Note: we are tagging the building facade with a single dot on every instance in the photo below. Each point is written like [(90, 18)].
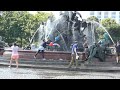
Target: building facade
[(106, 14)]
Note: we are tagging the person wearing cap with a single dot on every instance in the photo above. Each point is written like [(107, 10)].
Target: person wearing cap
[(74, 55)]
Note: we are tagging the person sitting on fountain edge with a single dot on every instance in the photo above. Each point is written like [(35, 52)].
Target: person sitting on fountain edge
[(41, 49)]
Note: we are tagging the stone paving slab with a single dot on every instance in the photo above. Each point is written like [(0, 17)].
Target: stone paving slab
[(100, 67), (65, 67)]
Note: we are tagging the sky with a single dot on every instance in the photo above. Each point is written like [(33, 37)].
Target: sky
[(84, 14)]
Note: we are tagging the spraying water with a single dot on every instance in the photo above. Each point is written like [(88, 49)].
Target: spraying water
[(105, 31), (63, 40), (34, 36), (60, 27)]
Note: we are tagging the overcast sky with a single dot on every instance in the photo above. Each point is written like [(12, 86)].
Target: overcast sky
[(84, 14)]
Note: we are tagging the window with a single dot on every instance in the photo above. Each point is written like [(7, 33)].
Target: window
[(113, 16), (99, 13), (106, 13), (119, 20), (99, 17), (113, 13), (106, 16), (0, 13), (92, 13)]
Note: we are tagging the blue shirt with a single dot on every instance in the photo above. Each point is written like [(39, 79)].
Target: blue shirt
[(74, 47), (57, 38)]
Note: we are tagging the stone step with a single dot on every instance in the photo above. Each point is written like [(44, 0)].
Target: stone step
[(94, 62), (56, 62)]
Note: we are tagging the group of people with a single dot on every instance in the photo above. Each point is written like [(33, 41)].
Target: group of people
[(41, 49), (15, 54), (74, 53)]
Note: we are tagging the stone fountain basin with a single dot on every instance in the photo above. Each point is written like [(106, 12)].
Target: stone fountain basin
[(49, 55), (29, 54)]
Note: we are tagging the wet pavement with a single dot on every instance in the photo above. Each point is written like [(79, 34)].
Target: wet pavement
[(30, 73)]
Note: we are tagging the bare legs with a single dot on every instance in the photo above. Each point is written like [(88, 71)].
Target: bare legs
[(40, 51), (16, 60), (16, 63), (117, 58)]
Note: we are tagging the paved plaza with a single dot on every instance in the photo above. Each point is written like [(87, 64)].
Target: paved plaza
[(29, 73)]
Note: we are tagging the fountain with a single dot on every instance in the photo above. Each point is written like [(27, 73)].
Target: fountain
[(63, 31)]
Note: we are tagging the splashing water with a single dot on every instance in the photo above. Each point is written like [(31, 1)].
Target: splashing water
[(63, 40), (105, 31), (60, 27)]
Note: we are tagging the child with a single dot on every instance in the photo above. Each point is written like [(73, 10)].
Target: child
[(15, 54)]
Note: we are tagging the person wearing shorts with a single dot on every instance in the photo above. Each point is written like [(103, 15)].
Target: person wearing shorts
[(41, 49), (15, 54)]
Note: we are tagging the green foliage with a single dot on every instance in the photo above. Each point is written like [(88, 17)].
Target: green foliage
[(99, 32), (112, 27), (93, 18), (108, 22), (114, 31), (19, 26)]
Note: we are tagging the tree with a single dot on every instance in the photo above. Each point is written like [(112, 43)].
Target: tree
[(108, 22), (19, 26), (112, 27), (93, 18), (114, 31)]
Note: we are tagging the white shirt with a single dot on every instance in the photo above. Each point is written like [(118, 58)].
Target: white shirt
[(15, 50), (41, 48)]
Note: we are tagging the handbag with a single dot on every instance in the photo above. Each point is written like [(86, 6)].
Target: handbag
[(77, 57)]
